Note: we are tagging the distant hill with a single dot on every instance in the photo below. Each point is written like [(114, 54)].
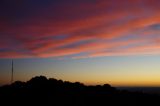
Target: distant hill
[(40, 91)]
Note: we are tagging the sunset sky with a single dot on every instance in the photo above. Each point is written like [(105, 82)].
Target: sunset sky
[(91, 41)]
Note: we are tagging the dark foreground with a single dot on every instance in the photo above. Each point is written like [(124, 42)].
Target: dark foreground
[(40, 91)]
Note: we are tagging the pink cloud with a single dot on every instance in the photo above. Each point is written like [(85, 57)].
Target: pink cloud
[(101, 25)]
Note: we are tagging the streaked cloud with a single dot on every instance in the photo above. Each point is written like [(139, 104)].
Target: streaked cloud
[(59, 28)]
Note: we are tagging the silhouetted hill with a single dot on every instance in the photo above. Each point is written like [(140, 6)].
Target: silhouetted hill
[(40, 91)]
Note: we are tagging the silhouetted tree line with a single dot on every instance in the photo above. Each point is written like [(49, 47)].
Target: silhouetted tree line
[(40, 91)]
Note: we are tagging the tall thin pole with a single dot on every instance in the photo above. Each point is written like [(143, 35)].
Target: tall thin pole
[(12, 73)]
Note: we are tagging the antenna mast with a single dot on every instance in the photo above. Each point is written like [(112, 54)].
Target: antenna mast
[(12, 73)]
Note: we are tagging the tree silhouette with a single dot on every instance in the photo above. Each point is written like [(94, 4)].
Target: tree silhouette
[(52, 92)]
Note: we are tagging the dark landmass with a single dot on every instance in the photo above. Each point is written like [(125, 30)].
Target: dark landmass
[(146, 89), (40, 91)]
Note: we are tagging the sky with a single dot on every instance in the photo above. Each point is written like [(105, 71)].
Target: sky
[(91, 41)]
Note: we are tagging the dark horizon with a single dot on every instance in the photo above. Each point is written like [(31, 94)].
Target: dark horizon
[(145, 89), (43, 91)]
